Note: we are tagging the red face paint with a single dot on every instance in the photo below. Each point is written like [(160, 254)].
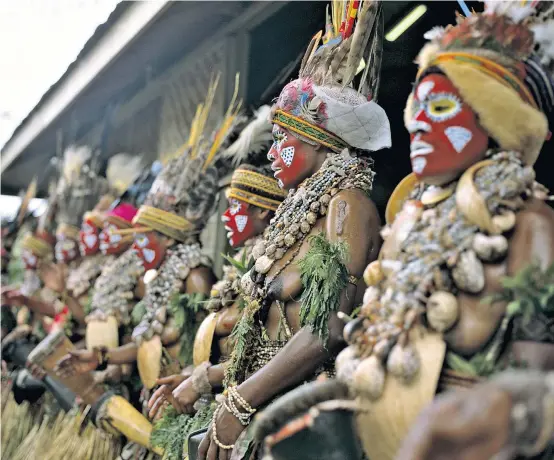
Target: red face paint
[(110, 242), (89, 243), (238, 222), (29, 259), (66, 249), (149, 249), (445, 135), (288, 156)]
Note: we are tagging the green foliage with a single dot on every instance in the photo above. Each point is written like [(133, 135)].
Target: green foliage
[(240, 335), (324, 277), (241, 265), (139, 310), (172, 430), (530, 292), (184, 309)]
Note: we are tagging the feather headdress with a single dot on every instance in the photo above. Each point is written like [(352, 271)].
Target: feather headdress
[(501, 61), (184, 194), (323, 106), (254, 139), (80, 187), (122, 170)]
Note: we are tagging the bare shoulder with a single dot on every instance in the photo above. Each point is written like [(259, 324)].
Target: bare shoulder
[(200, 280), (353, 217), (533, 237), (358, 202)]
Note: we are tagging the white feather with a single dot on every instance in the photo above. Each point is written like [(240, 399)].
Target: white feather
[(253, 138), (122, 170)]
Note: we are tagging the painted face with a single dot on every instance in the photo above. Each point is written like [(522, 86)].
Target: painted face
[(66, 249), (238, 222), (110, 242), (288, 156), (149, 249), (445, 135), (29, 259), (89, 242)]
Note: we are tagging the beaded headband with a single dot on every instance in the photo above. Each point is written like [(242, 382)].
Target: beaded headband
[(256, 189), (309, 130)]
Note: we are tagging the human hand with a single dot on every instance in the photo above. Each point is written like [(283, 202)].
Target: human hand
[(473, 424), (164, 393), (14, 297), (185, 396), (36, 371), (228, 429), (76, 362)]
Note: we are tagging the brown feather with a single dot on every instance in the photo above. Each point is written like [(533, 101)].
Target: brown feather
[(360, 37), (312, 47), (338, 61)]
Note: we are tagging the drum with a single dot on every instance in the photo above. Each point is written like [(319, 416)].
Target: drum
[(113, 413), (49, 351)]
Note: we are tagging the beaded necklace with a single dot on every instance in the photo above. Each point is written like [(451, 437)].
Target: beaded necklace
[(114, 288), (179, 261), (437, 252), (80, 279)]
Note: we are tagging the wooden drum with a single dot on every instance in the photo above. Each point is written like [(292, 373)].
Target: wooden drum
[(48, 352)]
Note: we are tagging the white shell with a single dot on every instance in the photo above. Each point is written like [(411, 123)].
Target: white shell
[(157, 327), (246, 283), (258, 250), (469, 274), (490, 248), (404, 363), (504, 222), (184, 271), (263, 264), (442, 310), (371, 295), (161, 315), (369, 378), (346, 364)]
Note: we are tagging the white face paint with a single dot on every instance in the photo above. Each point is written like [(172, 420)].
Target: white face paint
[(418, 164), (148, 254), (241, 222), (90, 240), (458, 136), (424, 88), (287, 154)]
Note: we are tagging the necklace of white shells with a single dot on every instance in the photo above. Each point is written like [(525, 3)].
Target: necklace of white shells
[(431, 252), (114, 288), (179, 261)]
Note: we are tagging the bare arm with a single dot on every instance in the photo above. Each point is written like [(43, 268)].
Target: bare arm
[(125, 354), (76, 309), (38, 306), (352, 218)]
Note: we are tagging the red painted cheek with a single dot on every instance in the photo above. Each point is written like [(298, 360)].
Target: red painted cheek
[(240, 224)]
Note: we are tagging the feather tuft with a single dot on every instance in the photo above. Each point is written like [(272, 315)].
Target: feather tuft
[(122, 170)]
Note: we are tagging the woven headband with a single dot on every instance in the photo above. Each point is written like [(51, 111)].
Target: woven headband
[(37, 246), (169, 224), (256, 189), (308, 130)]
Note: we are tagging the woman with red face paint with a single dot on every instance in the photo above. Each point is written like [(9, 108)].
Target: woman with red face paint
[(463, 287), (178, 275), (253, 197), (308, 265)]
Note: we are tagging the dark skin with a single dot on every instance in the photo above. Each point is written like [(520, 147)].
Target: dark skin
[(305, 352), (199, 281), (178, 389), (475, 424)]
